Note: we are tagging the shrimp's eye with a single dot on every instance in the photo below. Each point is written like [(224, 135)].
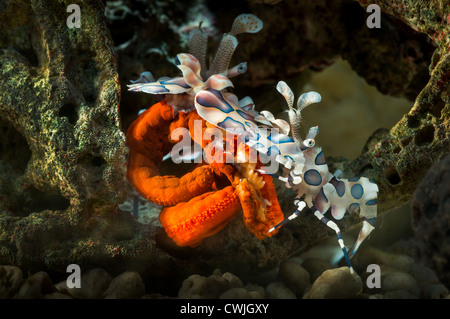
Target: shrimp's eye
[(309, 142), (242, 68)]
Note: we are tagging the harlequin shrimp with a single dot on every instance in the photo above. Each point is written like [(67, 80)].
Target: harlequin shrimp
[(304, 163), (321, 189)]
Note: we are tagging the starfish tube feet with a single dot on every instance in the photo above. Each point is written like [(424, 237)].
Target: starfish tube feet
[(203, 216), (260, 206)]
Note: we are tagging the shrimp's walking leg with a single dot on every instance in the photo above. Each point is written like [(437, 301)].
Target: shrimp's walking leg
[(300, 205), (368, 226), (334, 227)]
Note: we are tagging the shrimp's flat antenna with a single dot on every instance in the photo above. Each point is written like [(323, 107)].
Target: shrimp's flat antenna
[(246, 23)]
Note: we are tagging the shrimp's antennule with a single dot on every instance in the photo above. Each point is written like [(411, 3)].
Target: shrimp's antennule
[(198, 43)]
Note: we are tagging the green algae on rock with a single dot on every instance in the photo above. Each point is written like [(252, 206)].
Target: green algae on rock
[(399, 160), (60, 97)]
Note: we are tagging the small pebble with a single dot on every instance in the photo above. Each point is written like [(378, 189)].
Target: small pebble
[(36, 286), (10, 281), (399, 294), (294, 276), (277, 290), (316, 267), (128, 285), (93, 284), (240, 293), (424, 276), (233, 280), (257, 288), (57, 295), (201, 287), (84, 292), (156, 296), (435, 291), (197, 287), (370, 255), (338, 283), (392, 281), (98, 280)]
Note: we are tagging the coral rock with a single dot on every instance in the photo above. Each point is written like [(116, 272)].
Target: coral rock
[(59, 98), (431, 218)]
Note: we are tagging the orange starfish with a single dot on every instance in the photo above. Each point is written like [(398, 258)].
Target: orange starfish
[(203, 201)]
